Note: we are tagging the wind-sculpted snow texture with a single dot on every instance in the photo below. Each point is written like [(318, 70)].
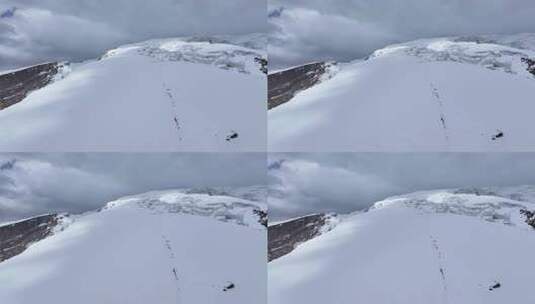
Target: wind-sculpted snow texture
[(456, 246), (181, 94), (160, 247), (223, 208), (458, 94), (215, 51)]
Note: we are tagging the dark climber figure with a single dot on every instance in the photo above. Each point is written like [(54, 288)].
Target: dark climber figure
[(229, 286)]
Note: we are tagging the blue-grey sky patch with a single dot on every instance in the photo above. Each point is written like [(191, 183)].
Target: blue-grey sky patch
[(10, 12)]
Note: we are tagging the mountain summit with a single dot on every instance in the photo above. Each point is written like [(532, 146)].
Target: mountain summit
[(470, 245), (179, 94), (457, 94), (177, 246)]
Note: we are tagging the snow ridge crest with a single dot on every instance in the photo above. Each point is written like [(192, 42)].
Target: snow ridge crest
[(221, 207), (504, 205)]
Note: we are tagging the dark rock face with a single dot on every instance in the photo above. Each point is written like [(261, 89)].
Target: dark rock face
[(15, 86), (531, 65), (15, 238), (530, 217), (262, 217), (284, 237), (283, 86), (263, 64)]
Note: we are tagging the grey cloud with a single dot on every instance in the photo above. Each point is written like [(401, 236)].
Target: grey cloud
[(46, 30), (10, 12), (303, 31), (346, 182), (32, 184)]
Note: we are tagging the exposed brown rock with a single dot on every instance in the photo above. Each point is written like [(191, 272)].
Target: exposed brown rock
[(15, 86), (16, 237), (282, 86), (284, 237)]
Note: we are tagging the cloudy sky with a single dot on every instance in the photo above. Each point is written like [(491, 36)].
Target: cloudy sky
[(308, 30), (301, 184), (33, 31), (32, 184)]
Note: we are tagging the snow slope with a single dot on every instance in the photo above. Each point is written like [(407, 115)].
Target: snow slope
[(445, 246), (158, 247), (180, 94), (458, 94)]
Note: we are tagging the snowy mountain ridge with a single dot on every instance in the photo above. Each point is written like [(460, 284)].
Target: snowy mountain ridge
[(444, 94), (223, 208), (241, 54), (506, 205), (505, 53), (168, 246), (177, 94), (468, 245), (503, 205)]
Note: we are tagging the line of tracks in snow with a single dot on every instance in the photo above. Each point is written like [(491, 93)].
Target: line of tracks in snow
[(174, 269)]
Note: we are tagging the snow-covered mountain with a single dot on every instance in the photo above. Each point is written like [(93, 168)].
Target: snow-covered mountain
[(180, 246), (180, 94), (459, 94), (444, 246)]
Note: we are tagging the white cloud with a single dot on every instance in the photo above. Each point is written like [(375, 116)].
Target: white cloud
[(302, 35), (303, 183), (306, 30), (33, 184), (46, 30), (301, 186)]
